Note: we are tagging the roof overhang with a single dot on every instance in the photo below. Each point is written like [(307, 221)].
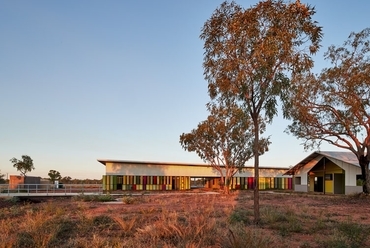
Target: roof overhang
[(144, 163), (347, 157)]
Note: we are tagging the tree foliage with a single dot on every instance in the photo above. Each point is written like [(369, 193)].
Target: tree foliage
[(251, 55), (224, 140), (334, 106), (23, 166), (66, 179), (54, 176), (2, 180)]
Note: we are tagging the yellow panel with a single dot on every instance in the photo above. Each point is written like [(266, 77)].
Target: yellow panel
[(329, 186)]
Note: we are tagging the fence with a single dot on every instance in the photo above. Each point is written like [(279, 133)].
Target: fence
[(49, 189)]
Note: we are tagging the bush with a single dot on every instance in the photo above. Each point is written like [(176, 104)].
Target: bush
[(240, 215), (128, 200), (94, 198)]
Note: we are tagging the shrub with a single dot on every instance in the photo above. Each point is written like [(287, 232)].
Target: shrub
[(95, 198), (240, 215), (128, 200)]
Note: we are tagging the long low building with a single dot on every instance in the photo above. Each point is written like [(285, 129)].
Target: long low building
[(139, 175)]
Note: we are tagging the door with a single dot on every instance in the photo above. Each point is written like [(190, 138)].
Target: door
[(319, 184), (339, 183)]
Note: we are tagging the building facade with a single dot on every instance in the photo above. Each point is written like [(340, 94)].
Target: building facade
[(137, 175), (327, 172)]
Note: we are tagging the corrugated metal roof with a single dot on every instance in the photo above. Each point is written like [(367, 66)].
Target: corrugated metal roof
[(105, 161), (347, 157)]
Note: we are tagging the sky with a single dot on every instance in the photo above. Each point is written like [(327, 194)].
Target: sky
[(86, 80)]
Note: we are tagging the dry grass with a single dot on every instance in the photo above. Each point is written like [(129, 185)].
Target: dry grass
[(189, 220)]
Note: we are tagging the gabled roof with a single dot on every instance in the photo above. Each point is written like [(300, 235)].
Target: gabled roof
[(347, 157)]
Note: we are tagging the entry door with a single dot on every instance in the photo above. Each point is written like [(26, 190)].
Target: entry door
[(339, 183), (319, 184)]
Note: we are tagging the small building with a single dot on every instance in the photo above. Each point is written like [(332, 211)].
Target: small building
[(327, 172), (16, 181), (138, 175)]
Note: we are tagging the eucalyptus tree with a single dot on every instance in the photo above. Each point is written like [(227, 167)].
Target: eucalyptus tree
[(334, 106), (54, 176), (224, 140), (253, 54), (23, 166), (2, 180)]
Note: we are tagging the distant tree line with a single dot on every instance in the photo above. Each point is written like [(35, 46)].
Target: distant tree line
[(25, 165)]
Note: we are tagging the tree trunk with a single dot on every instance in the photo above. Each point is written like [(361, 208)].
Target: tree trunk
[(222, 183), (256, 172), (227, 184), (364, 164)]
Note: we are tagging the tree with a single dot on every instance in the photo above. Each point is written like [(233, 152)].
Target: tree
[(54, 175), (66, 179), (224, 140), (2, 180), (23, 166), (334, 106), (253, 55)]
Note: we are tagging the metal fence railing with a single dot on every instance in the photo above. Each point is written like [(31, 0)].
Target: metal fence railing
[(48, 189)]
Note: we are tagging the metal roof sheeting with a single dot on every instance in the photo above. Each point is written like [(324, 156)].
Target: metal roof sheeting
[(347, 157)]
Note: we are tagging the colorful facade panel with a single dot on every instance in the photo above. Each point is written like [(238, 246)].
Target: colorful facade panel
[(265, 183), (115, 182)]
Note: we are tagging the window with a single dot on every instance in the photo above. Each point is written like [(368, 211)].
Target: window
[(297, 180), (359, 180), (328, 177)]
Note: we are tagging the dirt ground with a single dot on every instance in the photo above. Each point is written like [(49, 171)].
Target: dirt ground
[(338, 207), (287, 219)]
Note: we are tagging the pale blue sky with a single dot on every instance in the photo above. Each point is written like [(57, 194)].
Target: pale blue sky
[(82, 80)]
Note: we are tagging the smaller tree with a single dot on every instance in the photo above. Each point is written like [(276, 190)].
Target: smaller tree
[(225, 140), (66, 179), (2, 180), (334, 106), (54, 176), (23, 166)]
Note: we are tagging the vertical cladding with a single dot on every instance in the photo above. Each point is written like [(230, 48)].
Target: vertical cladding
[(110, 182), (264, 183), (125, 182)]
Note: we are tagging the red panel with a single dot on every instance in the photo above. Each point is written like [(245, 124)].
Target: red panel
[(290, 183), (145, 180), (154, 179), (250, 182)]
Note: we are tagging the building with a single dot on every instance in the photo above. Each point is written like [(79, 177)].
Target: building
[(327, 172), (16, 181), (138, 175)]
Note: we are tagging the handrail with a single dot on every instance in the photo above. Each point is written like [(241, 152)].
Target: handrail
[(48, 189)]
